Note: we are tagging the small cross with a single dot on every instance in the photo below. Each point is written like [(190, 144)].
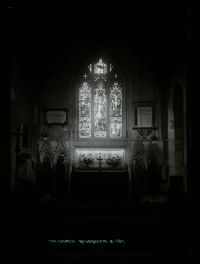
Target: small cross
[(100, 161)]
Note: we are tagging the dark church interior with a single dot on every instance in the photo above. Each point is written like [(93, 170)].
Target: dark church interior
[(100, 136)]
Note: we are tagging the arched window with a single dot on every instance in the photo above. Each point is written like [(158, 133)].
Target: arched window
[(100, 102)]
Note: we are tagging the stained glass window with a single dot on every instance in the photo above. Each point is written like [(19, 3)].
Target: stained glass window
[(100, 103), (115, 111), (85, 111), (100, 111)]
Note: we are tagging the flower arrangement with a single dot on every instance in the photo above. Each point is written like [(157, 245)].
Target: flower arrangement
[(87, 160), (113, 162)]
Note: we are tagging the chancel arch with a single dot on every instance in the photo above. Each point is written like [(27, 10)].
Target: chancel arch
[(177, 136)]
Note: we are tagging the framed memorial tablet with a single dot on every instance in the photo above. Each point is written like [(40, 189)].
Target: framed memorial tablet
[(144, 115), (56, 117)]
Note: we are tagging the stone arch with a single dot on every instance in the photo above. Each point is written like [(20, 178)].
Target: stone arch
[(177, 158)]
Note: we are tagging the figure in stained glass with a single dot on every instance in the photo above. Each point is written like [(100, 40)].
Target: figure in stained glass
[(115, 110), (85, 110)]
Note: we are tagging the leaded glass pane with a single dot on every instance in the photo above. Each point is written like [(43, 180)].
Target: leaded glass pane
[(100, 111), (85, 111), (115, 111)]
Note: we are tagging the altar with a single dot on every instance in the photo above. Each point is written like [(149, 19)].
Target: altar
[(99, 159)]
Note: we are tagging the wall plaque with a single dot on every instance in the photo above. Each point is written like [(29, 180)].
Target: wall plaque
[(144, 116), (56, 117)]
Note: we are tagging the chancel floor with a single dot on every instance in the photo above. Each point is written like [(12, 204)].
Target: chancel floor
[(78, 226)]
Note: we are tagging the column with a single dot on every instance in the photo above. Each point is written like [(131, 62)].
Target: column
[(130, 178), (70, 160)]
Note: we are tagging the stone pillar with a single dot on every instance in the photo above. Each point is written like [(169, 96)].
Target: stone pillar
[(130, 178), (70, 158)]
